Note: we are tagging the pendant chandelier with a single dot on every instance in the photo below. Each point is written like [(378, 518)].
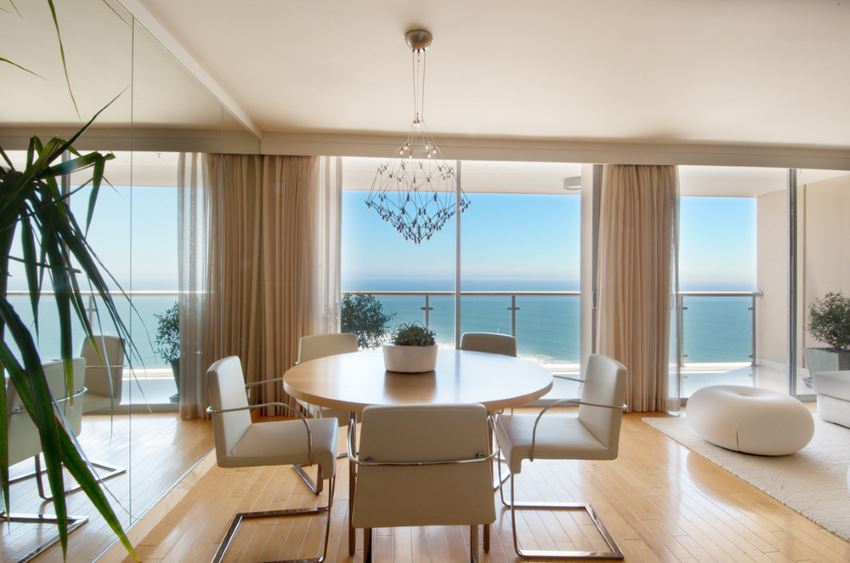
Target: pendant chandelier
[(416, 192)]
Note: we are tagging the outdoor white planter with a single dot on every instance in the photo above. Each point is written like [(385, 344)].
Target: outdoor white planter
[(410, 359), (825, 359)]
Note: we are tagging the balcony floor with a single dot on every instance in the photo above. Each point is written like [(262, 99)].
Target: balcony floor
[(773, 377)]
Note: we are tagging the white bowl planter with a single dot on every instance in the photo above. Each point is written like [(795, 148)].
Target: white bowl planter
[(410, 359)]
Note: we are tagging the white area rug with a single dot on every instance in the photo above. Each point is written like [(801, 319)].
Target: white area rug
[(812, 482)]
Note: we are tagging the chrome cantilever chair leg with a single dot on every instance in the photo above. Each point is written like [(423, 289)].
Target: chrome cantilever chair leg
[(111, 471), (74, 522), (613, 552), (315, 487), (499, 459), (241, 516)]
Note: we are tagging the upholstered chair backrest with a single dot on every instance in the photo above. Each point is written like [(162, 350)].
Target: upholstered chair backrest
[(321, 345), (604, 384), (450, 494), (24, 442), (104, 369), (489, 342), (227, 391)]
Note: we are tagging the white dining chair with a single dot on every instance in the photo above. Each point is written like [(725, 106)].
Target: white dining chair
[(421, 466), (24, 442), (312, 348), (239, 442), (104, 357), (490, 342), (592, 434)]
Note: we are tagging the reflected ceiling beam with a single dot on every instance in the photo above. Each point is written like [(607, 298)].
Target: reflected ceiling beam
[(587, 151), (146, 19)]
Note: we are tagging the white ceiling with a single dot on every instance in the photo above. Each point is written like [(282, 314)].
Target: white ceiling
[(106, 53), (748, 71)]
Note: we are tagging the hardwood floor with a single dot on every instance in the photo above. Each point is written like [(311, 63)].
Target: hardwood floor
[(163, 449), (659, 500)]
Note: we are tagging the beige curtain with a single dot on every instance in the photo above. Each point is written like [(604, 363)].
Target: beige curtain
[(262, 270), (637, 227)]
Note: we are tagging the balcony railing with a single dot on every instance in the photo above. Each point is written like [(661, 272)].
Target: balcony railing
[(713, 327), (148, 303)]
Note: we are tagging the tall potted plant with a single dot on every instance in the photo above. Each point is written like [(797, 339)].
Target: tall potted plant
[(829, 322), (364, 316), (167, 342), (54, 252)]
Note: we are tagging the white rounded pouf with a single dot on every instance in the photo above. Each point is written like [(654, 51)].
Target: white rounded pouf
[(750, 420)]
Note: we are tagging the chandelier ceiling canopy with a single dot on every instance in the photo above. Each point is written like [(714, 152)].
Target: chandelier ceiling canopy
[(416, 192)]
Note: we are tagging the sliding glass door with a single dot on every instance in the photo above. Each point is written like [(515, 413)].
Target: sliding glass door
[(384, 276), (823, 270), (511, 262), (733, 277)]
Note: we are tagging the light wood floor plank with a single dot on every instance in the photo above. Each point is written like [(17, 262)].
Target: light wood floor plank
[(660, 501)]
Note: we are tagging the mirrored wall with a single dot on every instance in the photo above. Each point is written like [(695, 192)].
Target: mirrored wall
[(155, 110)]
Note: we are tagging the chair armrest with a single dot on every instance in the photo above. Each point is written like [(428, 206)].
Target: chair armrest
[(56, 402), (262, 381), (567, 377), (368, 462), (211, 410), (561, 402), (250, 386)]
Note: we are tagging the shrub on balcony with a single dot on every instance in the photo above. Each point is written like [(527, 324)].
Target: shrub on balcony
[(167, 339), (364, 316), (829, 320)]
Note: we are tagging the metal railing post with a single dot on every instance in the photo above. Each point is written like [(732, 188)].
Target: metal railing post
[(427, 308), (513, 309), (680, 330), (753, 356)]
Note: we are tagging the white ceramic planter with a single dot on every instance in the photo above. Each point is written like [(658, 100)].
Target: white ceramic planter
[(410, 359)]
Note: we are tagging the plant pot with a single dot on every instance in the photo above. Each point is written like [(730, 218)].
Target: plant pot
[(410, 359), (175, 371), (826, 359)]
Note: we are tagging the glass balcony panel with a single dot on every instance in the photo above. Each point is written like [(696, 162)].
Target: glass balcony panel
[(442, 318), (548, 330), (717, 330), (485, 313)]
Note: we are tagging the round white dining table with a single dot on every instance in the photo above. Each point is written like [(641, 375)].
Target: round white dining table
[(353, 381), (356, 380)]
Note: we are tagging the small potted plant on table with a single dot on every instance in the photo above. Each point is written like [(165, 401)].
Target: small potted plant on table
[(413, 349), (829, 322), (167, 343)]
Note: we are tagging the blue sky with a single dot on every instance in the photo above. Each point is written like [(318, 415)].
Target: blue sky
[(508, 242), (134, 233), (717, 243), (531, 242)]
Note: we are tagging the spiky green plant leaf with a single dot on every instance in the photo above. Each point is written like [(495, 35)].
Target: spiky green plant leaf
[(53, 245)]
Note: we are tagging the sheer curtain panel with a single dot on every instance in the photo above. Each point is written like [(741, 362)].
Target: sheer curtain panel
[(328, 227), (192, 237), (637, 237)]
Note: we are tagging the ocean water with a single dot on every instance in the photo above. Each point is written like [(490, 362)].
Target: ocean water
[(716, 329), (141, 322)]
